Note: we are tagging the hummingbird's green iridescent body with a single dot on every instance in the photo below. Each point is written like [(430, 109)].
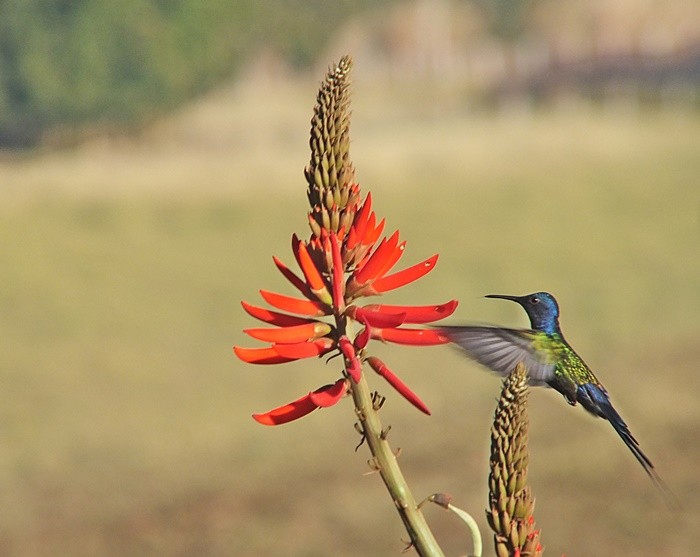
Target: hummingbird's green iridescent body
[(550, 361), (570, 370)]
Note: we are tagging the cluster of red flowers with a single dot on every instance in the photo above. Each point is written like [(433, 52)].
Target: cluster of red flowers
[(338, 268)]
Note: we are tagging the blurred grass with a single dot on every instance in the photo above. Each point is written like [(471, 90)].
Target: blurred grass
[(125, 417)]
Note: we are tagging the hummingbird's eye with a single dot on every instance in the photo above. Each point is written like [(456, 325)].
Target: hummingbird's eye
[(534, 300)]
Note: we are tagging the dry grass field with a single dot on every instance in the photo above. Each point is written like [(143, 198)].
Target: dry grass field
[(125, 418)]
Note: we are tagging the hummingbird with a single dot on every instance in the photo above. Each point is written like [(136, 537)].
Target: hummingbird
[(550, 361)]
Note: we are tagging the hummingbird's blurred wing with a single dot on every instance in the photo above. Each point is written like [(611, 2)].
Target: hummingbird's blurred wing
[(501, 350)]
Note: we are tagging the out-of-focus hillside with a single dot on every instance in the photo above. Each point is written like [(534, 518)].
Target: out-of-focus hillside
[(541, 52), (74, 70), (70, 70)]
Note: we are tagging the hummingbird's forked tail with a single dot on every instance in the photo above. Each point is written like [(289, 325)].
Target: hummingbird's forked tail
[(595, 399)]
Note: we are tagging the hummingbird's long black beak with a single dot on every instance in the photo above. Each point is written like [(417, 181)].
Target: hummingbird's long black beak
[(504, 297)]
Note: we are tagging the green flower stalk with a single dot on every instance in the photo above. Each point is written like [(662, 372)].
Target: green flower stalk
[(511, 503)]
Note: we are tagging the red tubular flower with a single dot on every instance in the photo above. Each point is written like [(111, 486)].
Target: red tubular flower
[(301, 350), (343, 260), (362, 338), (326, 396), (377, 365), (294, 305), (338, 287), (373, 232), (260, 355), (330, 394), (360, 223), (352, 363), (383, 258), (273, 317), (376, 318), (407, 276), (291, 334), (410, 314), (288, 412), (299, 284), (313, 276), (414, 337)]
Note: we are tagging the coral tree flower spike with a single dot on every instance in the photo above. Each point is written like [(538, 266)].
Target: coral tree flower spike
[(342, 260)]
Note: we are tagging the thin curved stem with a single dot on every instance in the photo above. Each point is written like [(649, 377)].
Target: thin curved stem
[(473, 528)]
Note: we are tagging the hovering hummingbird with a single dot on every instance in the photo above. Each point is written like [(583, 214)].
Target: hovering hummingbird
[(550, 361)]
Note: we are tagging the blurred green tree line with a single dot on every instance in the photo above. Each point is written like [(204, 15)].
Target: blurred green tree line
[(67, 66)]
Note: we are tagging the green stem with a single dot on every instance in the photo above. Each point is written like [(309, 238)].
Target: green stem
[(387, 465)]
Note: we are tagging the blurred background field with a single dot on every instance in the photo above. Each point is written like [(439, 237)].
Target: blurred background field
[(126, 249)]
